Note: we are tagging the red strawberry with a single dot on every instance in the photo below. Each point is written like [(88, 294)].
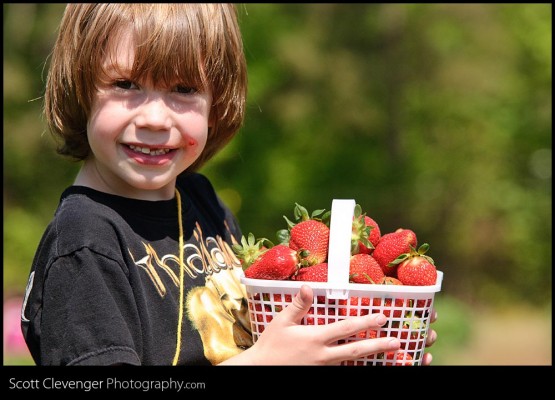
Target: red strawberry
[(389, 306), (417, 271), (278, 300), (369, 334), (262, 317), (375, 234), (363, 268), (313, 273), (391, 246), (365, 233), (312, 236), (410, 338), (354, 301), (265, 316), (310, 320), (309, 235), (398, 358), (278, 262), (422, 304), (389, 280)]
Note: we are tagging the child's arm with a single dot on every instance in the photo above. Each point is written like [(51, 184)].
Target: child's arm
[(286, 342)]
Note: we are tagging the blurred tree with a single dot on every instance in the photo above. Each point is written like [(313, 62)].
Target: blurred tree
[(435, 117)]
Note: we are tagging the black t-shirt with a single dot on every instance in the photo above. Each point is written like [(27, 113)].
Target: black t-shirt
[(104, 284)]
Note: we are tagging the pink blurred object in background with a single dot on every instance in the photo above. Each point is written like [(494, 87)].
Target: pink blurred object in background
[(14, 343)]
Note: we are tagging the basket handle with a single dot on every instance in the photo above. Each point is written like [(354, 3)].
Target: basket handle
[(339, 253)]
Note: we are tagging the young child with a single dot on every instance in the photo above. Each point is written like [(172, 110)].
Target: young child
[(136, 267)]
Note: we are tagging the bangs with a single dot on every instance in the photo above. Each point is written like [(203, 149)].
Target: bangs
[(170, 45)]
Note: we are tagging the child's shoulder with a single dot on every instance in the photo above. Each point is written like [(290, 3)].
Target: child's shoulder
[(83, 205), (87, 218), (84, 212)]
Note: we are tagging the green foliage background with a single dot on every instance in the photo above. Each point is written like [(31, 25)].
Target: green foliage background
[(433, 117)]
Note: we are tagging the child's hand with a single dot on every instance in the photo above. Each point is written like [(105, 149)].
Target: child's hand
[(286, 342)]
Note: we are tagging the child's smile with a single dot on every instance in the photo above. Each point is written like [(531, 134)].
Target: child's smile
[(149, 155)]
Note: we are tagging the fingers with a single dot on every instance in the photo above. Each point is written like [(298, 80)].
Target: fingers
[(351, 326), (431, 337), (433, 318), (299, 306), (362, 348), (427, 359)]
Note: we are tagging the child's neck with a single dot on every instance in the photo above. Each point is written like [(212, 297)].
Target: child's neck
[(90, 176)]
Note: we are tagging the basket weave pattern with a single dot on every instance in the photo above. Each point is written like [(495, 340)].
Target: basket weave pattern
[(407, 308)]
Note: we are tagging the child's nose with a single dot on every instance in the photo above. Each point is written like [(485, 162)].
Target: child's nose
[(154, 114)]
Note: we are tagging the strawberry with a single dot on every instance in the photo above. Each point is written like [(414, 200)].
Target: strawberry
[(375, 234), (265, 316), (366, 233), (363, 268), (310, 320), (410, 338), (278, 262), (313, 273), (354, 301), (369, 334), (262, 317), (309, 235), (389, 280), (388, 306), (313, 237), (278, 300), (422, 304), (398, 358), (417, 269), (250, 249), (391, 246)]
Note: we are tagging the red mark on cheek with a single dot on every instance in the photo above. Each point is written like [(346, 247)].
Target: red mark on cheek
[(192, 142)]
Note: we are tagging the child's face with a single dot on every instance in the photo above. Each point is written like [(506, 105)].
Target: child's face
[(143, 134)]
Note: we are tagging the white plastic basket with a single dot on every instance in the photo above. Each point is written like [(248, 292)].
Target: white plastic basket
[(407, 308)]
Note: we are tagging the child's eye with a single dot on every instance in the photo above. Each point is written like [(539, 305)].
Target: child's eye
[(125, 84), (182, 89)]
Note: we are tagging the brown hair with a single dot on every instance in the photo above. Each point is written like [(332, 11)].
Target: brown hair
[(195, 43)]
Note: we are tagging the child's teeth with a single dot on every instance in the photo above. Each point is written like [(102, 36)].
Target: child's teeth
[(146, 150)]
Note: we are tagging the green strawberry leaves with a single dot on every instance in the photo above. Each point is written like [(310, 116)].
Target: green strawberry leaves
[(250, 249), (413, 253)]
